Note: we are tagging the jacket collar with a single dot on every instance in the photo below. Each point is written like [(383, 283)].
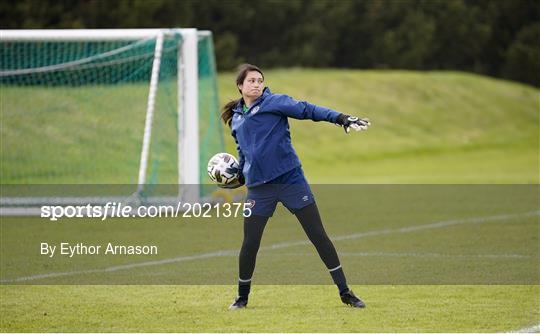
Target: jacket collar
[(266, 92)]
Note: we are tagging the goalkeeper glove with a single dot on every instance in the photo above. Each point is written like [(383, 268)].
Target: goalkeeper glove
[(238, 182), (348, 122)]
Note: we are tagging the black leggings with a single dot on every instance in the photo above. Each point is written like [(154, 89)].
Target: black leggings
[(311, 222)]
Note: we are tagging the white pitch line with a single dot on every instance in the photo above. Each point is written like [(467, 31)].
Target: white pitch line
[(532, 329), (124, 266), (474, 220)]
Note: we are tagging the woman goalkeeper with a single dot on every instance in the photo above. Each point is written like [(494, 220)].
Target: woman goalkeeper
[(272, 172)]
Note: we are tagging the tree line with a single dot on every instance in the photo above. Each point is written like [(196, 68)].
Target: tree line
[(500, 38)]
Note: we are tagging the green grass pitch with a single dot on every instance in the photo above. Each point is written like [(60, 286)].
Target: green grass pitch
[(425, 258)]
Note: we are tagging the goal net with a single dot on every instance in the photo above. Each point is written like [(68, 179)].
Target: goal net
[(133, 108)]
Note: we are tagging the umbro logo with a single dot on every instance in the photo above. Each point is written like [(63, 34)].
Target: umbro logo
[(305, 198)]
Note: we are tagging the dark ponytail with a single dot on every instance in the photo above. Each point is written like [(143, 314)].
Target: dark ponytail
[(227, 114), (243, 71)]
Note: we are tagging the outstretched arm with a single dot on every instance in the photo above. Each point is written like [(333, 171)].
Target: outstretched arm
[(304, 110)]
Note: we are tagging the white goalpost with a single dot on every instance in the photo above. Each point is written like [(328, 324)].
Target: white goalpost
[(71, 72)]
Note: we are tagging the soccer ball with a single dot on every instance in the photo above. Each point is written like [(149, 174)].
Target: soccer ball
[(217, 168)]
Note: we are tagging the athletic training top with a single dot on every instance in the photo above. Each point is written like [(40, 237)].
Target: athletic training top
[(263, 136)]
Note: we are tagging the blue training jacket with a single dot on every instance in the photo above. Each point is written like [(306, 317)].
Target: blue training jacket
[(263, 136)]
